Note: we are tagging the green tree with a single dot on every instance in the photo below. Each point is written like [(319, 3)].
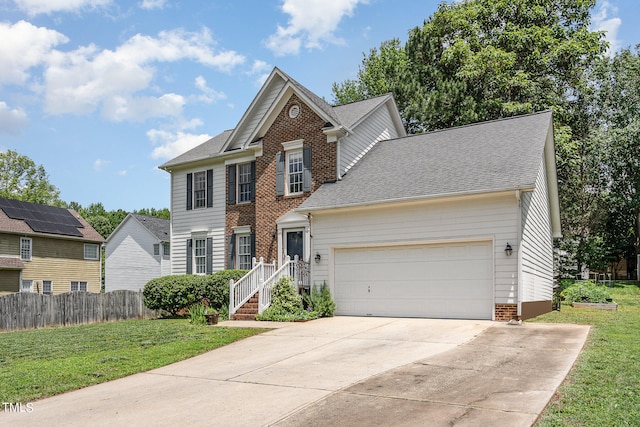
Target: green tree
[(22, 179)]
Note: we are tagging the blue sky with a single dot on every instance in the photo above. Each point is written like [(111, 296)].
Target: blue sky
[(101, 92)]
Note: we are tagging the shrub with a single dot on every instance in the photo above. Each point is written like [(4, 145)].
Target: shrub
[(586, 292), (286, 304), (174, 293), (320, 301)]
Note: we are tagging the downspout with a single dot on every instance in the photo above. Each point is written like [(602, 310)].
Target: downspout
[(519, 249)]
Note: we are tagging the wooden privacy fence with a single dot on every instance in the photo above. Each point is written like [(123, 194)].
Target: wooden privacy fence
[(25, 310)]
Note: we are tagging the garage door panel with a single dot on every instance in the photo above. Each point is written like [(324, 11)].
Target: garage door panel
[(442, 281)]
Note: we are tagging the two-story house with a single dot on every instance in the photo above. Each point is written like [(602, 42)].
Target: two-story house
[(47, 250), (137, 251), (234, 197)]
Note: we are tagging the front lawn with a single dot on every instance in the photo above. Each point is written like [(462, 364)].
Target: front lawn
[(603, 388), (39, 363)]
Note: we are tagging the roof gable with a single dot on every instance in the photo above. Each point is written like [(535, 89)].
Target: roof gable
[(159, 228), (486, 157)]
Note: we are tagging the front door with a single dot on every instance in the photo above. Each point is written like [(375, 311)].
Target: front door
[(294, 240)]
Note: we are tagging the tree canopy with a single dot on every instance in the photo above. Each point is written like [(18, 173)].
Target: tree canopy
[(22, 179)]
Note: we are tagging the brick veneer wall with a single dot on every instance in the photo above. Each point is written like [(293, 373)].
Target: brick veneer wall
[(506, 311), (262, 214)]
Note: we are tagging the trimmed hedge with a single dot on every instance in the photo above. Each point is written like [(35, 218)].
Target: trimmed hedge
[(174, 293)]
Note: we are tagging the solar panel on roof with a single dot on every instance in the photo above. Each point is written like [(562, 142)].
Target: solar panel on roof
[(41, 218)]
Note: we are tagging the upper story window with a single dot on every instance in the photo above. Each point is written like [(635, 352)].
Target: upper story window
[(293, 169), (294, 172), (241, 181), (200, 189), (166, 249), (244, 183), (156, 249), (25, 248), (91, 251)]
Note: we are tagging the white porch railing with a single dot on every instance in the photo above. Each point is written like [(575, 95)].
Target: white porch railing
[(261, 279), (264, 295), (242, 290)]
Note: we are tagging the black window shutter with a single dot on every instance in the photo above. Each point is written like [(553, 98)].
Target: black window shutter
[(280, 173), (306, 169), (189, 256), (231, 180), (253, 245), (209, 188), (253, 181), (209, 262), (231, 251), (189, 191)]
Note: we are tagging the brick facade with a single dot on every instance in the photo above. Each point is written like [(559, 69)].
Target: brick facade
[(506, 312), (262, 214)]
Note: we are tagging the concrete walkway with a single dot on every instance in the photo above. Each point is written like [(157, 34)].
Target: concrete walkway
[(340, 371)]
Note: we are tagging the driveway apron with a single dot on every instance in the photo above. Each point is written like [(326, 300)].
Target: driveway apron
[(339, 371)]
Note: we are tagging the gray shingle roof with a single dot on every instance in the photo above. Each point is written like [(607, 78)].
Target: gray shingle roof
[(159, 227), (209, 148), (350, 114), (485, 157)]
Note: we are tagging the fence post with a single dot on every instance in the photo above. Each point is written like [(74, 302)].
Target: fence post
[(231, 299)]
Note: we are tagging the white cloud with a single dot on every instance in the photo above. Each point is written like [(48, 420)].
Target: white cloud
[(153, 4), (262, 69), (30, 46), (82, 80), (99, 164), (311, 22), (35, 7), (172, 144), (604, 21), (12, 120), (209, 95)]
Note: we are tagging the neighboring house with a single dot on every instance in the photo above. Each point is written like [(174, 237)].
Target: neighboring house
[(456, 223), (234, 196), (137, 251), (47, 250)]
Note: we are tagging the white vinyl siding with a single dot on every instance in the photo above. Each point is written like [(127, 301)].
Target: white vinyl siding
[(479, 218), (537, 243), (129, 258), (379, 126), (209, 222)]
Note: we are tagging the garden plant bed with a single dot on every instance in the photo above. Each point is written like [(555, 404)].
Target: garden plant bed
[(605, 306)]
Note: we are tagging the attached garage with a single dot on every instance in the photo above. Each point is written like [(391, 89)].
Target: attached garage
[(452, 280)]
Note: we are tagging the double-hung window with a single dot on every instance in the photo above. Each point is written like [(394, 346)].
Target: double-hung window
[(47, 287), (166, 249), (294, 172), (200, 189), (200, 255), (26, 286), (91, 251), (244, 183), (244, 252), (78, 286), (25, 248)]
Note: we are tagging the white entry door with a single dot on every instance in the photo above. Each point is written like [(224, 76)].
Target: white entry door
[(453, 280)]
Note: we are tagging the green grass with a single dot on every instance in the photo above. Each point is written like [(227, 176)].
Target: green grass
[(39, 363), (603, 389)]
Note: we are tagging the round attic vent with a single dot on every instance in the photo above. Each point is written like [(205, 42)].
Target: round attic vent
[(294, 111)]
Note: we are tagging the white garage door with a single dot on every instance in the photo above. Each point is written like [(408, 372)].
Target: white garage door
[(439, 281)]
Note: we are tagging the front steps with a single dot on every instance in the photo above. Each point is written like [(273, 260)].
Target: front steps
[(248, 311)]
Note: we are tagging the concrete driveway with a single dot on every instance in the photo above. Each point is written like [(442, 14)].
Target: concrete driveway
[(340, 371)]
